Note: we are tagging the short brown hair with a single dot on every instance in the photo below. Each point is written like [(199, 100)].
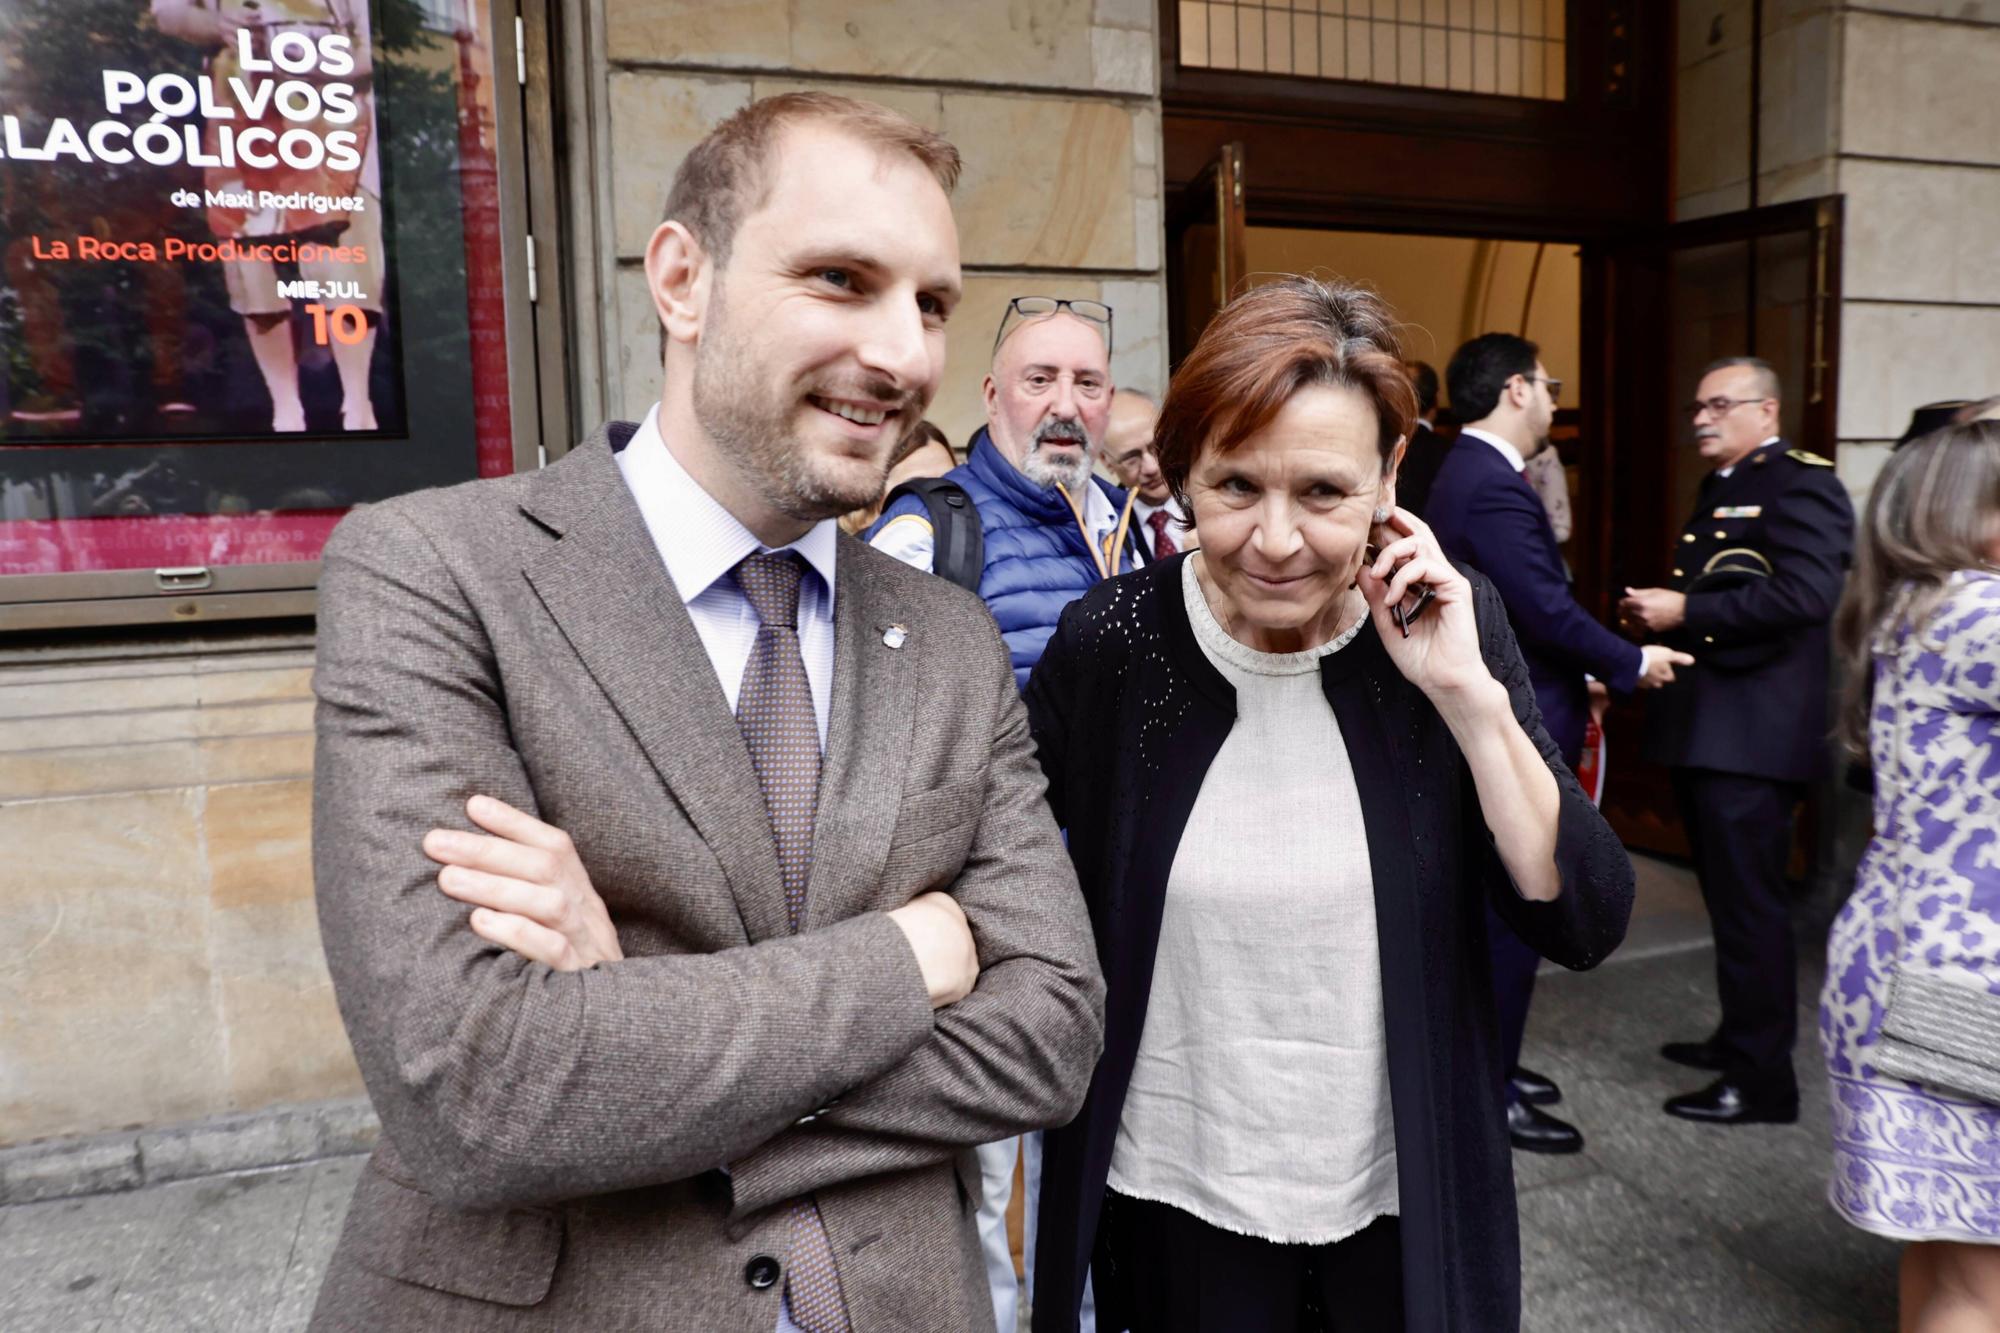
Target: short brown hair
[(1264, 347), (724, 179)]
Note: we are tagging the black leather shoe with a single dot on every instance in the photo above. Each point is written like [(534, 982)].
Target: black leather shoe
[(1703, 1054), (1534, 1089), (1726, 1103), (1533, 1130)]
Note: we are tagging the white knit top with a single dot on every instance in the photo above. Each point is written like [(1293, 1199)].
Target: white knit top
[(1260, 1098)]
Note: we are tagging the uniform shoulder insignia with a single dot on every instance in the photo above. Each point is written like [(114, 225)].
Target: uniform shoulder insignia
[(1809, 458)]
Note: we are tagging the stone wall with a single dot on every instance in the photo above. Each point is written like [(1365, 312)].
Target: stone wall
[(1053, 104), (163, 959), (1920, 166), (1886, 104)]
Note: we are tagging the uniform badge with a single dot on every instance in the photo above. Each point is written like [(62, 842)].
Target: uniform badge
[(1739, 511)]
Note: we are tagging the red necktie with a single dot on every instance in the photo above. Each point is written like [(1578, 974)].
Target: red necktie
[(1163, 545)]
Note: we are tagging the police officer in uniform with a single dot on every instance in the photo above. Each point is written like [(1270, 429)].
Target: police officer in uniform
[(1757, 574)]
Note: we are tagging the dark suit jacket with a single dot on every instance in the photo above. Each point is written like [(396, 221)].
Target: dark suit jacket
[(1486, 515), (1139, 539), (1422, 458), (554, 1144), (1128, 715), (1768, 718)]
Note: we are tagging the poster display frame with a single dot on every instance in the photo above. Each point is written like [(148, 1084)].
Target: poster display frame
[(194, 595)]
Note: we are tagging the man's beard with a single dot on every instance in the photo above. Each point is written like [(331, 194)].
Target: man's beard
[(1044, 471), (753, 429)]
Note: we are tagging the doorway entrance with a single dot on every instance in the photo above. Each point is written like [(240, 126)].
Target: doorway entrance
[(1636, 307), (1764, 282), (1445, 290)]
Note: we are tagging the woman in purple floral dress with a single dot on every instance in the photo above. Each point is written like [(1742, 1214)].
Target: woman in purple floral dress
[(1913, 1161)]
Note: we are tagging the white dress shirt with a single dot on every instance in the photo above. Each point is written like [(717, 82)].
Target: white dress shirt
[(701, 543), (1506, 448)]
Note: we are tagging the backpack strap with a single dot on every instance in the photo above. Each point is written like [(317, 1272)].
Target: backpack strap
[(959, 550)]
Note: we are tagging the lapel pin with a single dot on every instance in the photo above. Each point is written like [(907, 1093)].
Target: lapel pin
[(894, 636)]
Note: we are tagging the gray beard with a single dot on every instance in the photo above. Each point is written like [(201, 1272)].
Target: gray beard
[(1045, 471)]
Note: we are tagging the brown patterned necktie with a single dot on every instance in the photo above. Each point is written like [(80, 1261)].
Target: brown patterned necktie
[(1163, 545), (774, 711)]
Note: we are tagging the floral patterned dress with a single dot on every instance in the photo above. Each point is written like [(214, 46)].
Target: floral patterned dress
[(1911, 1161)]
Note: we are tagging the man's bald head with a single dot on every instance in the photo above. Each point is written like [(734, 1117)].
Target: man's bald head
[(1128, 446)]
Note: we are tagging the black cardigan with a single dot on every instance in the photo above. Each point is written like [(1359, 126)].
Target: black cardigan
[(1128, 715)]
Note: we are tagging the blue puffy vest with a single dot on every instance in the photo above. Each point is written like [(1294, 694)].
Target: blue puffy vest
[(1036, 559)]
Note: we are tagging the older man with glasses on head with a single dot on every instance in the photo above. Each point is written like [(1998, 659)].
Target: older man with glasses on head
[(1049, 531), (1049, 528), (1756, 576)]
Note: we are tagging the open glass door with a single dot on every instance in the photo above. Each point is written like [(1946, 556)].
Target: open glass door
[(1206, 230), (1765, 283)]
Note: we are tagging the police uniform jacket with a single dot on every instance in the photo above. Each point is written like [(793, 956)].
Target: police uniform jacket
[(1755, 702)]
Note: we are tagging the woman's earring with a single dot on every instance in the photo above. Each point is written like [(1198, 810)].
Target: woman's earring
[(1381, 513)]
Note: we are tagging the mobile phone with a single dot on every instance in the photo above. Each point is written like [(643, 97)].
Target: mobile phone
[(1419, 595)]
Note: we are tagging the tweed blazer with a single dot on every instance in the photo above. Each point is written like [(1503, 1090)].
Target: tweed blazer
[(612, 1148)]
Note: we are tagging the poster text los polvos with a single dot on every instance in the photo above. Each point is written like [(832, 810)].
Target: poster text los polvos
[(180, 107)]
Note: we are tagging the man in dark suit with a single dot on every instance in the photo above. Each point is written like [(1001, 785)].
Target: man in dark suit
[(1486, 514), (1757, 574), (1424, 454), (752, 920)]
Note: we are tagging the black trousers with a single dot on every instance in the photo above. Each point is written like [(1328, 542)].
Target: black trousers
[(1514, 966), (1740, 828), (1161, 1270)]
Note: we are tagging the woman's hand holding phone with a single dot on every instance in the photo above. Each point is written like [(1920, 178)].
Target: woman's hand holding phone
[(1423, 612)]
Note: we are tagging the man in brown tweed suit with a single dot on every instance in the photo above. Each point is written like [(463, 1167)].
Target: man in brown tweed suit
[(682, 865)]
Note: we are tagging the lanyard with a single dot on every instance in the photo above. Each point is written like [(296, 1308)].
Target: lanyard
[(1107, 559)]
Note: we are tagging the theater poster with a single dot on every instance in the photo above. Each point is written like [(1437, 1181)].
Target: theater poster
[(249, 248)]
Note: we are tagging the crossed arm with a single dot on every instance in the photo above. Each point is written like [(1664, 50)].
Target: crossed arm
[(529, 893), (963, 1087), (503, 1081)]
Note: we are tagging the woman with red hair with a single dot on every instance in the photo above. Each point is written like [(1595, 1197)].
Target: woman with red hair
[(1294, 765)]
